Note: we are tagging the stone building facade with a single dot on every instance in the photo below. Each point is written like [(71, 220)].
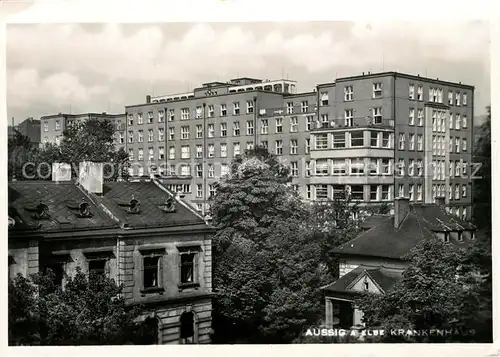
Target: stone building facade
[(136, 233)]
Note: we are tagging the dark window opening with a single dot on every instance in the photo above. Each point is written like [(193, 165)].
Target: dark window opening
[(57, 272), (147, 333), (187, 327), (97, 267), (187, 268), (151, 272)]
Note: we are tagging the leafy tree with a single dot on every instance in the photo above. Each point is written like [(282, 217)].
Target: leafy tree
[(333, 223), (89, 140), (482, 187), (20, 150), (266, 266), (440, 289), (87, 312)]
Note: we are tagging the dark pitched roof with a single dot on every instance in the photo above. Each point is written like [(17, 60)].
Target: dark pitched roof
[(382, 239), (344, 281), (383, 277), (150, 197), (372, 221), (109, 210), (60, 198)]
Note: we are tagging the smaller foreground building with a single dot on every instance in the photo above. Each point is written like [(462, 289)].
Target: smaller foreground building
[(136, 233), (374, 260)]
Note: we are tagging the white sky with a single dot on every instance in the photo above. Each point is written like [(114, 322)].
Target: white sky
[(103, 67)]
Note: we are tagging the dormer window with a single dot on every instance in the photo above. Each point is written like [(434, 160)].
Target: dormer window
[(41, 211), (84, 210), (168, 206)]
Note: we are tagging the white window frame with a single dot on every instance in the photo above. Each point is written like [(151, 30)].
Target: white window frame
[(278, 146), (250, 108), (236, 128), (223, 110), (185, 114), (294, 144), (348, 117), (411, 91), (236, 108), (264, 126), (348, 93), (377, 90), (294, 124), (304, 106), (250, 128), (411, 116)]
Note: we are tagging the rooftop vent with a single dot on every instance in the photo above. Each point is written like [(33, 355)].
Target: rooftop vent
[(168, 206), (41, 211), (133, 206), (83, 209)]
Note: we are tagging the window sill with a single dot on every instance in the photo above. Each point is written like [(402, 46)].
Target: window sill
[(184, 286), (152, 290)]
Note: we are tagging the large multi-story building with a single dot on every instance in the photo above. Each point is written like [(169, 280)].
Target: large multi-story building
[(192, 138), (376, 136), (53, 126), (388, 135)]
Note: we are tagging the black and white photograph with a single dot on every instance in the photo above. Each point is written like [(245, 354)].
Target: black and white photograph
[(248, 183)]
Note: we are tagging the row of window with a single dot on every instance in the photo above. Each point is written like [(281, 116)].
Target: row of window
[(372, 166), (185, 133), (341, 140), (186, 189), (185, 113), (436, 95), (359, 166), (354, 192), (438, 143), (211, 153), (152, 267), (223, 152), (455, 191), (183, 170), (375, 193)]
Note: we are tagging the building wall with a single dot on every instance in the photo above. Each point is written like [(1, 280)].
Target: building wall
[(403, 105), (133, 250), (125, 266), (268, 106), (396, 103), (23, 258)]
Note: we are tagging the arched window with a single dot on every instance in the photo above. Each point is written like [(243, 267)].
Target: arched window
[(187, 327)]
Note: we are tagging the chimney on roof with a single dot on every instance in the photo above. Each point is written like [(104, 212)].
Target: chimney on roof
[(61, 172), (363, 73), (401, 209), (91, 176), (148, 99)]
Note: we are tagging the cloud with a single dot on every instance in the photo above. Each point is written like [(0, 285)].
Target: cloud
[(26, 86), (156, 54)]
